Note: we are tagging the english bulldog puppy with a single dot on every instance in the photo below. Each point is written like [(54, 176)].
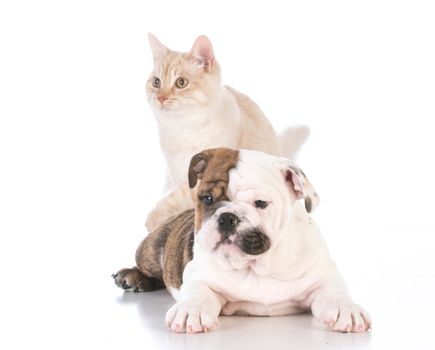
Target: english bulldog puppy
[(249, 247)]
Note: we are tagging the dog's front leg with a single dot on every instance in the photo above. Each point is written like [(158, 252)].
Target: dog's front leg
[(197, 309), (333, 306)]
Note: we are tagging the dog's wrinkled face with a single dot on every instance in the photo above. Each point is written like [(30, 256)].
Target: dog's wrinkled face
[(244, 201)]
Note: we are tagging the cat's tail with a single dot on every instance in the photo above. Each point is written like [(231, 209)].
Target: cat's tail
[(291, 140)]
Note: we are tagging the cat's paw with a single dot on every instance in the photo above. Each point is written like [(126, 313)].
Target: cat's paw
[(344, 316), (191, 318)]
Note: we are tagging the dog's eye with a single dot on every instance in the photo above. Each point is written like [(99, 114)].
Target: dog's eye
[(261, 204), (156, 82), (208, 200)]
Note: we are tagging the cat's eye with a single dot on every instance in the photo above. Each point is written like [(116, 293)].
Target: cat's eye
[(261, 204), (208, 200), (156, 82), (181, 83)]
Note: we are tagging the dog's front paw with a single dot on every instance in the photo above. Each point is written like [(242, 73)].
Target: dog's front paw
[(344, 316), (191, 318)]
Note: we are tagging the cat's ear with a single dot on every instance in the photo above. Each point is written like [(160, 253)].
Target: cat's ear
[(159, 50), (202, 52)]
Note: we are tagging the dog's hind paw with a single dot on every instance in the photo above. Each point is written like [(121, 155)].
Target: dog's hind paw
[(133, 280)]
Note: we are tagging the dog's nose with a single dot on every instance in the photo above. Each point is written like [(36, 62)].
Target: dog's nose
[(227, 223)]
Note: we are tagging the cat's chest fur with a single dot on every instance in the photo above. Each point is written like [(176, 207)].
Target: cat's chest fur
[(185, 133)]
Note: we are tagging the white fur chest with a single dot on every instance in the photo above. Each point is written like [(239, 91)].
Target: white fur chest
[(182, 135), (248, 285)]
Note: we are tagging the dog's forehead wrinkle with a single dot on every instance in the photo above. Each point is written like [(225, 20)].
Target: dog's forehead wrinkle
[(251, 193), (253, 175), (244, 193)]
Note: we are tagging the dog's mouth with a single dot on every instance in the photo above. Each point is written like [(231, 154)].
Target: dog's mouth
[(252, 241)]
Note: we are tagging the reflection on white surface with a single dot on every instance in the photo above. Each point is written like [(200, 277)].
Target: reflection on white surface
[(299, 331)]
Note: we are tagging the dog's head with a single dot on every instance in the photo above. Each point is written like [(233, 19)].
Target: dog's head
[(245, 201)]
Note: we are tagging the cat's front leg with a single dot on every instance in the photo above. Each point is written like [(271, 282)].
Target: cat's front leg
[(177, 201), (197, 309)]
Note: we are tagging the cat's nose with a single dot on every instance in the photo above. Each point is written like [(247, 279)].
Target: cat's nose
[(162, 98)]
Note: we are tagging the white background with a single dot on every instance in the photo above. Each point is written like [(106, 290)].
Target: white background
[(80, 164)]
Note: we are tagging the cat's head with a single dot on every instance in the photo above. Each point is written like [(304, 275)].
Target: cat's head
[(182, 80)]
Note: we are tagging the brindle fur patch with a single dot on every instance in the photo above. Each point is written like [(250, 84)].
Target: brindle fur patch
[(162, 255), (213, 172), (178, 249)]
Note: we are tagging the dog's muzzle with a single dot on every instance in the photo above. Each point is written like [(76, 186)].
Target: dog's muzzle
[(227, 224), (250, 241)]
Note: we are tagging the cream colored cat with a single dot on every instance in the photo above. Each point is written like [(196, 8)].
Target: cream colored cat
[(194, 111)]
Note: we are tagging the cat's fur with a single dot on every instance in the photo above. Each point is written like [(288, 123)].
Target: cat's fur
[(203, 114)]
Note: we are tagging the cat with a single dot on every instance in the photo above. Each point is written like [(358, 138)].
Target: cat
[(194, 111)]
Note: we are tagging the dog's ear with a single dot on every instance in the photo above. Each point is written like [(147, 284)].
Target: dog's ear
[(300, 186), (197, 166), (214, 164)]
